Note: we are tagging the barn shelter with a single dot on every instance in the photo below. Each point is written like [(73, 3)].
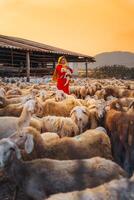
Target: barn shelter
[(22, 57)]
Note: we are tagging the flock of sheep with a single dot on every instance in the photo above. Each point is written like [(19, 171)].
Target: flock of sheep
[(67, 147)]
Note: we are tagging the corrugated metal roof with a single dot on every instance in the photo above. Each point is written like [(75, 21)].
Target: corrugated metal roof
[(27, 45)]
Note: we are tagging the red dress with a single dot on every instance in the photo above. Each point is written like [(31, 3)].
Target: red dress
[(61, 80)]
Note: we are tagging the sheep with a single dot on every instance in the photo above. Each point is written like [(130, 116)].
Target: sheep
[(63, 126), (9, 125), (49, 136), (87, 145), (120, 126), (80, 115), (84, 117), (2, 92), (68, 76), (14, 91), (117, 92), (62, 108), (125, 93), (21, 99), (125, 102), (122, 189), (60, 95), (43, 177), (107, 91), (76, 91), (11, 110), (83, 91), (16, 109), (30, 107), (79, 91), (100, 128), (42, 94), (131, 86)]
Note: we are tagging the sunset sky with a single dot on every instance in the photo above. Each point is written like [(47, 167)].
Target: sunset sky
[(85, 26)]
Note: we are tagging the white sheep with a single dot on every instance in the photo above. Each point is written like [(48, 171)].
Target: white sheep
[(9, 124), (82, 117), (63, 126), (60, 95)]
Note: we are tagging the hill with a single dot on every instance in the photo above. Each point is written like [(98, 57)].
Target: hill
[(114, 58)]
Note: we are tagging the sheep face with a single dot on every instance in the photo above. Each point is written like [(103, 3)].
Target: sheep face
[(101, 93), (114, 105), (60, 95), (101, 109), (2, 102), (43, 94), (25, 141), (2, 92), (30, 105), (131, 106), (7, 147), (80, 116), (10, 145), (33, 106), (26, 98)]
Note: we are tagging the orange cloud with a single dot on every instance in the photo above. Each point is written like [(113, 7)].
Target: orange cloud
[(86, 26)]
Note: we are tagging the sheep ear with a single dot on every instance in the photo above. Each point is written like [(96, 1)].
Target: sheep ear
[(72, 111), (87, 113), (131, 105), (30, 108), (17, 151), (29, 144), (100, 112), (118, 106), (1, 103), (107, 108), (132, 177)]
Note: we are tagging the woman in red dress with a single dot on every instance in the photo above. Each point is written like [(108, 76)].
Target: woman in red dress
[(61, 74)]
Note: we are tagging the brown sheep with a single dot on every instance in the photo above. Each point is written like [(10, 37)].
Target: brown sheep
[(14, 91), (16, 109), (62, 108), (120, 125), (83, 91), (122, 189), (43, 177), (21, 99), (11, 110), (87, 145)]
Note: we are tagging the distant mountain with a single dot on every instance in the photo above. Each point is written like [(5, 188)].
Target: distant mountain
[(114, 58)]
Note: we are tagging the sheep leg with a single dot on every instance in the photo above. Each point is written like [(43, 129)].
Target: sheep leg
[(126, 164), (19, 130), (117, 149), (15, 193), (34, 191)]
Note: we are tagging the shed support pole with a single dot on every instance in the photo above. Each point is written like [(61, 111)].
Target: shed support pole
[(12, 58), (86, 69), (53, 64), (28, 66)]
